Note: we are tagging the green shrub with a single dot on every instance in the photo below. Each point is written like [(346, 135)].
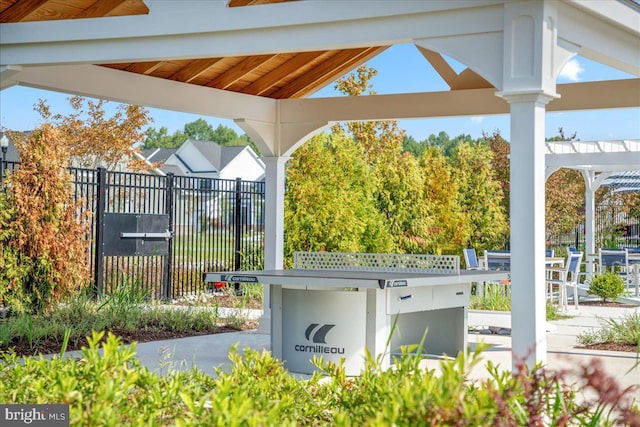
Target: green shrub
[(608, 286), (494, 297), (108, 386), (623, 331)]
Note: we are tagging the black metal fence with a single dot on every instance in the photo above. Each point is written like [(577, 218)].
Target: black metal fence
[(614, 228), (213, 224)]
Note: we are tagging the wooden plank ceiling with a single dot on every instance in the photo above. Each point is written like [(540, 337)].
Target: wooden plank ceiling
[(279, 76), (291, 75)]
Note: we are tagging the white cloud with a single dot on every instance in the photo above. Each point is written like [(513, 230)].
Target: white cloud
[(477, 119), (572, 70)]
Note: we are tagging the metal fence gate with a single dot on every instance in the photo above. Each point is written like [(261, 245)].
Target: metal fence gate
[(211, 224), (614, 228)]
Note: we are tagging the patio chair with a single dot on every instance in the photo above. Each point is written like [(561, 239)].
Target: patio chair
[(470, 259), (497, 260), (564, 278), (615, 260)]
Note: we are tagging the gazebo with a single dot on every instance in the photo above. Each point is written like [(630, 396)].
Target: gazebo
[(600, 163), (257, 61)]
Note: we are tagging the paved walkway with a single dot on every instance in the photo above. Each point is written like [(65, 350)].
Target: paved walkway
[(562, 346), (207, 352)]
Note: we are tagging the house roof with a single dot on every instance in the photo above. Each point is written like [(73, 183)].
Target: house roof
[(174, 169), (218, 155), (158, 155), (12, 154)]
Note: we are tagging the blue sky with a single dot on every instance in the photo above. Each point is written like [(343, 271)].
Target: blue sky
[(401, 69)]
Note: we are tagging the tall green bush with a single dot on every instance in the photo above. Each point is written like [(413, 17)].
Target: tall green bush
[(42, 240)]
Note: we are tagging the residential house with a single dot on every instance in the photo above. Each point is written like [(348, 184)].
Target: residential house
[(11, 154), (197, 164), (206, 159)]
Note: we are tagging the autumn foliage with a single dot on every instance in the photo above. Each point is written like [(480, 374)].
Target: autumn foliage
[(95, 139), (42, 240)]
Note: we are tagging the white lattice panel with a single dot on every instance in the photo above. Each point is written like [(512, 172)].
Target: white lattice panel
[(346, 261)]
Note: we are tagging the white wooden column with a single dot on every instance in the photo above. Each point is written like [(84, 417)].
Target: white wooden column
[(589, 216), (528, 293), (273, 227), (531, 62), (591, 183)]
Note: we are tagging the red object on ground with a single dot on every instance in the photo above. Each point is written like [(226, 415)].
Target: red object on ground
[(219, 285)]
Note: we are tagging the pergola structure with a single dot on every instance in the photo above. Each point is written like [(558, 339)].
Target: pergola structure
[(597, 161), (256, 61)]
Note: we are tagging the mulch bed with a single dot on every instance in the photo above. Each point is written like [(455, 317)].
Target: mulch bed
[(631, 348), (598, 303), (52, 346)]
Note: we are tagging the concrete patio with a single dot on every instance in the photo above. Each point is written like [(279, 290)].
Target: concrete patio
[(207, 352)]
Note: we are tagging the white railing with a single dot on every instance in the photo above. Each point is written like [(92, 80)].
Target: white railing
[(349, 261)]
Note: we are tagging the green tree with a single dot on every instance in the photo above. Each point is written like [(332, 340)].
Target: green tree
[(446, 144), (224, 135), (500, 164), (449, 231), (401, 201), (410, 145), (161, 138), (399, 192), (199, 130), (480, 196), (330, 200)]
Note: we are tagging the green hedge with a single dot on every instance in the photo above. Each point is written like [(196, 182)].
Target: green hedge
[(109, 387)]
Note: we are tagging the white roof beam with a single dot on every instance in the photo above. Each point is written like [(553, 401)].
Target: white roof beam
[(597, 162), (588, 24), (470, 102), (131, 88)]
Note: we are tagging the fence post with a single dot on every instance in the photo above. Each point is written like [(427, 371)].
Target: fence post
[(167, 286), (238, 230), (100, 209)]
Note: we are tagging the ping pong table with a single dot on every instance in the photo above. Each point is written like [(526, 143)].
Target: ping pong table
[(338, 314)]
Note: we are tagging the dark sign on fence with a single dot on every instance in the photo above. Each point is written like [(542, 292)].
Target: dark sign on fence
[(128, 234)]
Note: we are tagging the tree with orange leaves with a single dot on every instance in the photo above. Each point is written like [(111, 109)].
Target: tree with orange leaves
[(93, 139), (43, 243)]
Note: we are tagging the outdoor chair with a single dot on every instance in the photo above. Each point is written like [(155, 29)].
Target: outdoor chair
[(565, 277), (497, 260), (470, 259), (472, 263), (549, 253), (614, 260)]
